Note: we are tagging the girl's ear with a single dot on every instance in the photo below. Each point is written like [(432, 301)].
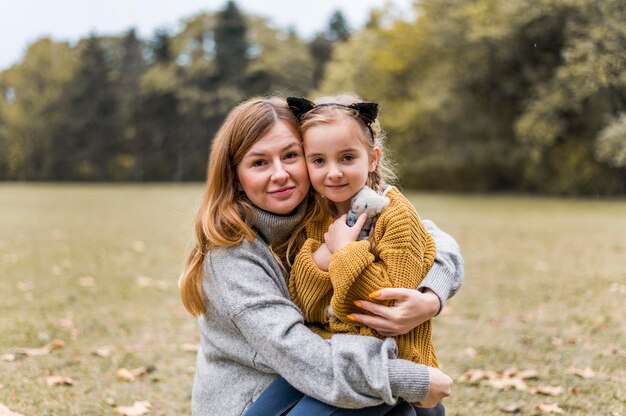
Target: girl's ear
[(374, 159)]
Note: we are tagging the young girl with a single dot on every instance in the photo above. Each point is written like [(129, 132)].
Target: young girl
[(343, 148)]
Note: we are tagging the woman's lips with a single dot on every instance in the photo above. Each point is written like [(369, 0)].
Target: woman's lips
[(283, 191)]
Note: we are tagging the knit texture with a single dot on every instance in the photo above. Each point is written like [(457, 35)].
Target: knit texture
[(251, 331), (403, 253)]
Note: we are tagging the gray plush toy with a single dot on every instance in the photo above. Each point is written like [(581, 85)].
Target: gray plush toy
[(366, 201)]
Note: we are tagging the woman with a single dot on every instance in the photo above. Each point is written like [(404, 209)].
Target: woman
[(250, 224)]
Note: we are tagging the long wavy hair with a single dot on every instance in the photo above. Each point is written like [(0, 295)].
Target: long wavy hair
[(222, 220), (383, 175)]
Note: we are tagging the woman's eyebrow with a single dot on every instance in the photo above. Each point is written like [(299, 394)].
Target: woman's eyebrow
[(263, 153)]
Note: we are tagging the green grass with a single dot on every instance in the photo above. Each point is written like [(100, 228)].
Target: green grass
[(544, 290)]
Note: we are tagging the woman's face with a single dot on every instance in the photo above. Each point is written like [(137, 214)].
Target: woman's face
[(273, 171)]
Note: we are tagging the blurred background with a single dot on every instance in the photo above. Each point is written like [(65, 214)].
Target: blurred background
[(476, 95)]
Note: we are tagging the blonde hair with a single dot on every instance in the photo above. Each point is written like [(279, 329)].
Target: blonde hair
[(222, 220), (383, 175)]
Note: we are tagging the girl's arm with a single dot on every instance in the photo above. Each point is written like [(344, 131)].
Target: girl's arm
[(309, 286), (346, 371), (404, 253)]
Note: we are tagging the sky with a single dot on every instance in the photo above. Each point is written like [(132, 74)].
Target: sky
[(23, 21)]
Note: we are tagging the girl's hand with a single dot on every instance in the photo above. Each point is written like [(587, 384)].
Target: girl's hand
[(410, 309), (340, 234), (321, 257)]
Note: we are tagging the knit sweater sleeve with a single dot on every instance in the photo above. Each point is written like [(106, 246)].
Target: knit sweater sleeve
[(445, 277), (346, 371), (403, 253), (309, 286)]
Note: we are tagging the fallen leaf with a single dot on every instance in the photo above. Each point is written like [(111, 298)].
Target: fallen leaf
[(190, 347), (68, 323), (139, 246), (507, 383), (5, 411), (550, 408), (59, 381), (86, 281), (104, 351), (512, 408), (576, 390), (547, 390), (7, 357), (124, 374), (32, 352), (556, 342), (470, 352), (137, 409), (25, 286), (586, 373), (144, 281), (527, 374)]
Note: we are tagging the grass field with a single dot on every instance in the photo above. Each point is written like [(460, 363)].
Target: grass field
[(96, 266)]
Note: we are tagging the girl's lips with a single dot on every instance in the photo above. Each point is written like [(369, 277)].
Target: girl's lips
[(336, 186)]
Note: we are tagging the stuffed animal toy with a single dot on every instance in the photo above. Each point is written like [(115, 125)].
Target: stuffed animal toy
[(366, 201)]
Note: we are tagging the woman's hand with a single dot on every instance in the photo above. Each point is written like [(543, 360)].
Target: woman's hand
[(340, 234), (410, 309), (440, 387)]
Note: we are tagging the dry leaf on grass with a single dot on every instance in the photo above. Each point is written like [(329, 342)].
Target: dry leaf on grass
[(5, 411), (68, 323), (7, 357), (104, 351), (86, 281), (509, 378), (586, 373), (25, 286), (138, 408), (470, 352), (547, 390), (550, 408), (190, 347), (32, 352), (512, 408), (124, 374), (144, 281), (59, 381)]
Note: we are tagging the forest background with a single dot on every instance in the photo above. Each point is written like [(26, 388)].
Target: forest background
[(480, 95)]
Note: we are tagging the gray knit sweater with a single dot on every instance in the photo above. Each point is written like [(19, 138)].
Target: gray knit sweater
[(251, 332)]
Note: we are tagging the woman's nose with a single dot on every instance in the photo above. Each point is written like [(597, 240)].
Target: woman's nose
[(280, 173)]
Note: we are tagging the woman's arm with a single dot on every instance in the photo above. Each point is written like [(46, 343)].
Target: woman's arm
[(346, 371), (412, 307)]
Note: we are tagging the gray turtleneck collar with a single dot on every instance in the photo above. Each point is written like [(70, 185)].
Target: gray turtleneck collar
[(274, 228)]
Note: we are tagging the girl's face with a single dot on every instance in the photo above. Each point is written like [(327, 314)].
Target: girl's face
[(273, 172), (337, 161)]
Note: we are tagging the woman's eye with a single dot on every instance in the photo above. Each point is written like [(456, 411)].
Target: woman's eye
[(291, 155), (258, 163)]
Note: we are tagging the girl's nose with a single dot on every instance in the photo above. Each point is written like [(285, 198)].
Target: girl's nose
[(334, 173)]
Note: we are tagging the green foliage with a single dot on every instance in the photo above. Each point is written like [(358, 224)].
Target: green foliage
[(475, 94)]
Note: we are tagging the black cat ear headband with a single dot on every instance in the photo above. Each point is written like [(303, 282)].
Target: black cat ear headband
[(367, 111)]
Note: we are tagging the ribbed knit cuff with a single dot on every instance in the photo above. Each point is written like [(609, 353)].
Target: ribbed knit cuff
[(351, 259), (408, 380), (439, 280)]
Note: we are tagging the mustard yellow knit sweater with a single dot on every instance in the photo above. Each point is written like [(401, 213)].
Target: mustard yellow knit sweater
[(402, 255)]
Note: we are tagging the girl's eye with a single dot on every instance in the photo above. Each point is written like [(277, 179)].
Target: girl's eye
[(348, 158), (317, 161)]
